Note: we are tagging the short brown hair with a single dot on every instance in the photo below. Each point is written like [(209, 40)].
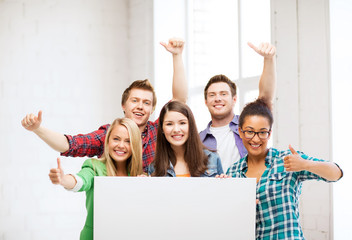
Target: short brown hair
[(140, 84), (220, 78)]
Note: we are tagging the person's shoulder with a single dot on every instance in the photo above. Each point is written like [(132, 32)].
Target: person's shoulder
[(94, 163), (104, 127)]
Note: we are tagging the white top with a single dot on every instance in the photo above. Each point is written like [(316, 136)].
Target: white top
[(226, 146)]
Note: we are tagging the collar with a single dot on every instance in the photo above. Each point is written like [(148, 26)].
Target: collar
[(269, 159), (233, 125)]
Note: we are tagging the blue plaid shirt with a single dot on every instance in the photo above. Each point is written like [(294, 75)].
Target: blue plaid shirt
[(278, 192)]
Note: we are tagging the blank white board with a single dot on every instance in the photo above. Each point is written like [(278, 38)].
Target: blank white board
[(161, 208)]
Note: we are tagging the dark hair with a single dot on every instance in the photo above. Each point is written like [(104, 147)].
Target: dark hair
[(220, 78), (139, 84), (257, 108), (195, 157)]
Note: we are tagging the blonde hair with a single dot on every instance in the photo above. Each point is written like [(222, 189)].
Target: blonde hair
[(134, 163)]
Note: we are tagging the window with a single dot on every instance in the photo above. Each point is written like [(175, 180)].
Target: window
[(218, 33)]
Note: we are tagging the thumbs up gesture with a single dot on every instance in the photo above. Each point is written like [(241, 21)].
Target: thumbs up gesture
[(174, 46), (32, 122), (264, 49), (294, 162), (56, 175)]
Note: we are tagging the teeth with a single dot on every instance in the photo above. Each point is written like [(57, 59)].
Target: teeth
[(177, 137), (120, 152), (255, 145), (139, 114)]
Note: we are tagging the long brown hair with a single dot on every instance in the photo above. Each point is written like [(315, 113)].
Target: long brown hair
[(195, 157), (134, 163)]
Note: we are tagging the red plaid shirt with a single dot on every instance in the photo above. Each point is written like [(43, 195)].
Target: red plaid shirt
[(92, 144)]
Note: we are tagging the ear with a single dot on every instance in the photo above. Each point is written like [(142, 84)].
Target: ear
[(240, 132), (123, 108), (234, 99)]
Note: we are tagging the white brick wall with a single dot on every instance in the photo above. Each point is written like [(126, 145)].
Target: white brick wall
[(67, 58)]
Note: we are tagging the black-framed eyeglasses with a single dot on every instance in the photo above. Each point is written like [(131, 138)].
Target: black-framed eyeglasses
[(250, 134)]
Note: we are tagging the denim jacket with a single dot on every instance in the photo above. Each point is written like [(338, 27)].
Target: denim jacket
[(214, 166)]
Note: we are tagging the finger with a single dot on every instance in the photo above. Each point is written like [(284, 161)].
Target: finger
[(40, 115), (58, 163), (54, 170), (267, 48), (33, 119), (27, 119), (163, 44), (251, 45), (292, 150), (256, 201)]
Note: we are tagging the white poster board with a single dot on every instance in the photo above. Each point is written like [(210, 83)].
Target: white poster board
[(174, 208)]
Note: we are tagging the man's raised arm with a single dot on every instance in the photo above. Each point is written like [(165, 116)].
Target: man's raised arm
[(55, 140), (179, 82)]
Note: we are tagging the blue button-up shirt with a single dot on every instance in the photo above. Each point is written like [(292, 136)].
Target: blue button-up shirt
[(278, 192)]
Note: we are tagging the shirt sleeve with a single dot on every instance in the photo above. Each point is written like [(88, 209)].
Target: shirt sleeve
[(306, 175), (90, 145), (86, 175), (79, 183)]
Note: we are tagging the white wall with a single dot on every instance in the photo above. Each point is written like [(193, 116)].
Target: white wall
[(302, 113), (67, 58)]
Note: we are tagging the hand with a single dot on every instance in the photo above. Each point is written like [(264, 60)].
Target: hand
[(264, 49), (222, 175), (294, 162), (174, 46), (32, 122), (56, 174)]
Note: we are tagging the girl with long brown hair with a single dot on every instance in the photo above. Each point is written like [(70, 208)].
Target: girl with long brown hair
[(179, 151)]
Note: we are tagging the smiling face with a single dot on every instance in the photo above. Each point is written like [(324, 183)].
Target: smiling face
[(175, 128), (119, 144), (139, 106), (220, 101), (255, 146)]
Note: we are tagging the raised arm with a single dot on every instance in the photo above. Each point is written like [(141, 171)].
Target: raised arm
[(267, 82), (326, 170), (179, 82), (55, 140), (81, 145)]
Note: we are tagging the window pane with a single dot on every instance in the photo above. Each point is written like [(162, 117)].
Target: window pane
[(215, 40), (255, 28)]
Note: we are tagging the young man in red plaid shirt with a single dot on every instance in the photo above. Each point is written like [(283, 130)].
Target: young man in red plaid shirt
[(138, 103)]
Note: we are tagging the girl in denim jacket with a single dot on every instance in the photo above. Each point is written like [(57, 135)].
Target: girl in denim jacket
[(179, 151)]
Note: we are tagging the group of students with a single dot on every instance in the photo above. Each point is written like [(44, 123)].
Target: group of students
[(171, 146)]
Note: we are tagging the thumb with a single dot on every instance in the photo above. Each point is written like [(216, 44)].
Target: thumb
[(163, 44), (252, 46), (58, 163), (292, 150), (40, 115)]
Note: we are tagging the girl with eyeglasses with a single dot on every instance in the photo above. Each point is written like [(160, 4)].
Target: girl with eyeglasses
[(279, 174)]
